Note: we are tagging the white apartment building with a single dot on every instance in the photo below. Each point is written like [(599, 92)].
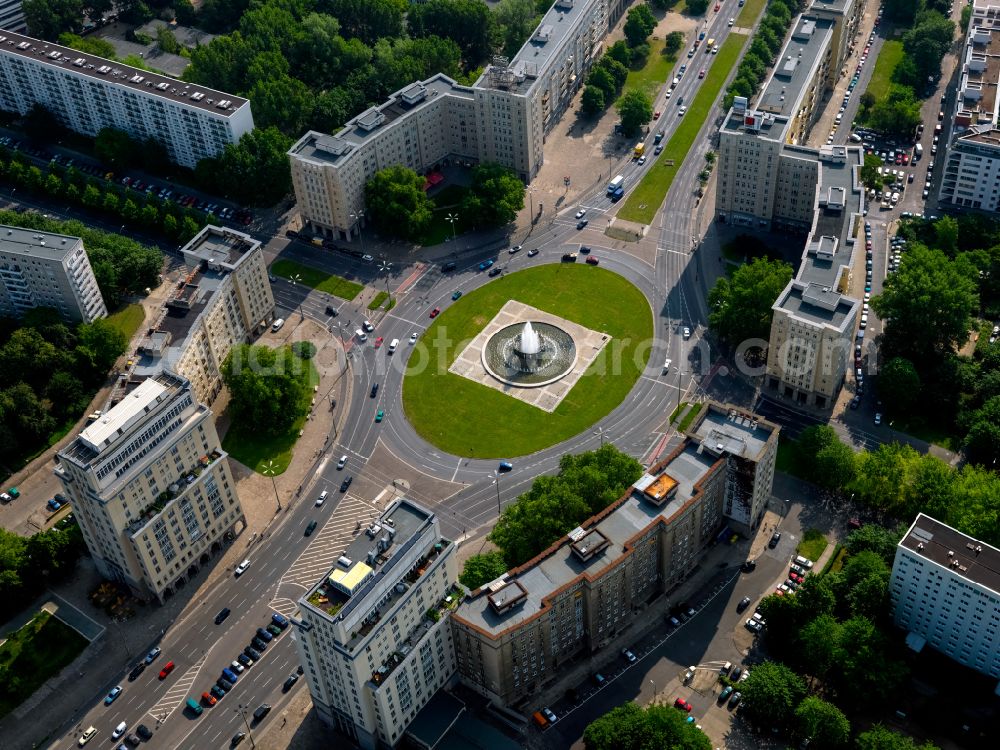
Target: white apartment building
[(224, 300), (767, 180), (373, 635), (504, 117), (12, 15), (151, 487), (86, 93), (945, 592), (513, 635), (971, 176), (42, 269)]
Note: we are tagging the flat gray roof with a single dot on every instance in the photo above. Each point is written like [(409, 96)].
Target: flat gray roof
[(139, 81), (219, 246), (358, 130), (631, 516), (734, 432), (538, 53), (965, 556), (784, 90), (832, 6), (816, 303), (35, 243)]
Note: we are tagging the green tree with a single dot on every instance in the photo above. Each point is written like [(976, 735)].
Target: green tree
[(823, 723), (741, 304), (897, 114), (946, 235), (926, 43), (696, 7), (927, 304), (167, 41), (875, 538), (494, 197), (282, 102), (639, 24), (617, 70), (65, 392), (592, 101), (104, 341), (255, 171), (635, 110), (982, 442), (835, 466), (771, 694), (513, 22), (47, 19), (673, 43), (629, 727), (267, 387), (396, 202), (601, 79), (620, 52), (469, 23), (92, 45), (880, 737), (870, 175), (818, 645), (899, 385), (482, 568), (222, 63)]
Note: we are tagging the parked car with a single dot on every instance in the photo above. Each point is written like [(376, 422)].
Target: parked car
[(775, 538), (113, 695), (682, 704), (744, 603), (629, 655), (153, 653)]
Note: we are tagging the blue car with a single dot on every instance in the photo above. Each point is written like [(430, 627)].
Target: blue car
[(486, 264), (54, 505), (115, 692)]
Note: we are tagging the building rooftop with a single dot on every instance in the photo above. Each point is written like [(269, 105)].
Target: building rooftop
[(975, 561), (783, 93), (839, 7), (984, 136), (543, 47), (816, 304), (142, 81), (218, 248), (729, 430), (976, 103), (334, 149), (594, 547), (35, 243)]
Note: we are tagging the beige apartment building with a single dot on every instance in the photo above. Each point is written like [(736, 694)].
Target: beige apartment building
[(224, 300), (766, 180), (972, 157), (42, 269), (512, 635), (151, 487), (504, 117), (373, 634)]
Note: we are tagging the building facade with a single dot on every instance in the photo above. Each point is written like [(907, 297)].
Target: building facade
[(42, 269), (86, 94), (224, 300), (373, 635), (767, 180), (971, 177), (12, 15), (151, 487), (512, 635), (504, 117), (945, 592)]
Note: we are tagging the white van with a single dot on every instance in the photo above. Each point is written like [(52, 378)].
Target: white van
[(276, 325), (392, 345), (362, 336), (322, 498), (803, 562)]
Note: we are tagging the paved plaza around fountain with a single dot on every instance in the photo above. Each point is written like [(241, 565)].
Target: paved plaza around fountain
[(546, 396)]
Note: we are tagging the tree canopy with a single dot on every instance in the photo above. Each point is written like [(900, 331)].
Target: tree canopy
[(771, 694), (635, 110), (267, 387), (586, 484), (494, 198), (482, 568), (396, 202), (639, 24), (629, 727), (741, 303)]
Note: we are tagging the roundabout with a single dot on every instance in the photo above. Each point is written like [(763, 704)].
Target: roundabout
[(527, 361)]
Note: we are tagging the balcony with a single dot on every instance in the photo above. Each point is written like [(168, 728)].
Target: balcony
[(175, 490), (431, 617)]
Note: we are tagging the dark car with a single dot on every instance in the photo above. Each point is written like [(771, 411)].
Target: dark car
[(584, 249), (486, 264), (744, 603), (252, 652), (310, 528), (225, 684), (374, 390), (262, 710), (569, 258), (245, 660), (292, 679), (346, 483), (495, 271), (274, 630), (136, 671), (775, 538), (222, 615), (449, 266), (291, 233), (218, 692), (264, 635), (143, 731), (592, 260), (258, 644), (749, 566), (331, 311), (237, 738)]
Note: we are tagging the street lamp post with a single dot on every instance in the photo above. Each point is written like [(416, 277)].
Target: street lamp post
[(242, 712), (385, 267), (270, 470), (654, 690), (452, 219), (296, 279), (600, 433), (496, 481), (358, 216)]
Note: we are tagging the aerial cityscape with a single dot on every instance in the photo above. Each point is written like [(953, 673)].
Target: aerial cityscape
[(500, 374)]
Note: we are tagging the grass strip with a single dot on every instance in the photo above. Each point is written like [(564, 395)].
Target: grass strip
[(316, 279)]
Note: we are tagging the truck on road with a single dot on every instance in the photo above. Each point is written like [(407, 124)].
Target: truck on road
[(639, 149), (616, 183)]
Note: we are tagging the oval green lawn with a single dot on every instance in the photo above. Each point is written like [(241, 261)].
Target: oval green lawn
[(468, 419)]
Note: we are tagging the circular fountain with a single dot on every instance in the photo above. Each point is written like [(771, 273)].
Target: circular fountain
[(529, 354)]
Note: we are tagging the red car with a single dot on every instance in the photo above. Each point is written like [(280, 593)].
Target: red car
[(378, 342), (592, 260), (906, 158), (717, 6), (435, 312), (796, 577), (702, 73), (167, 669), (682, 704), (656, 115)]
